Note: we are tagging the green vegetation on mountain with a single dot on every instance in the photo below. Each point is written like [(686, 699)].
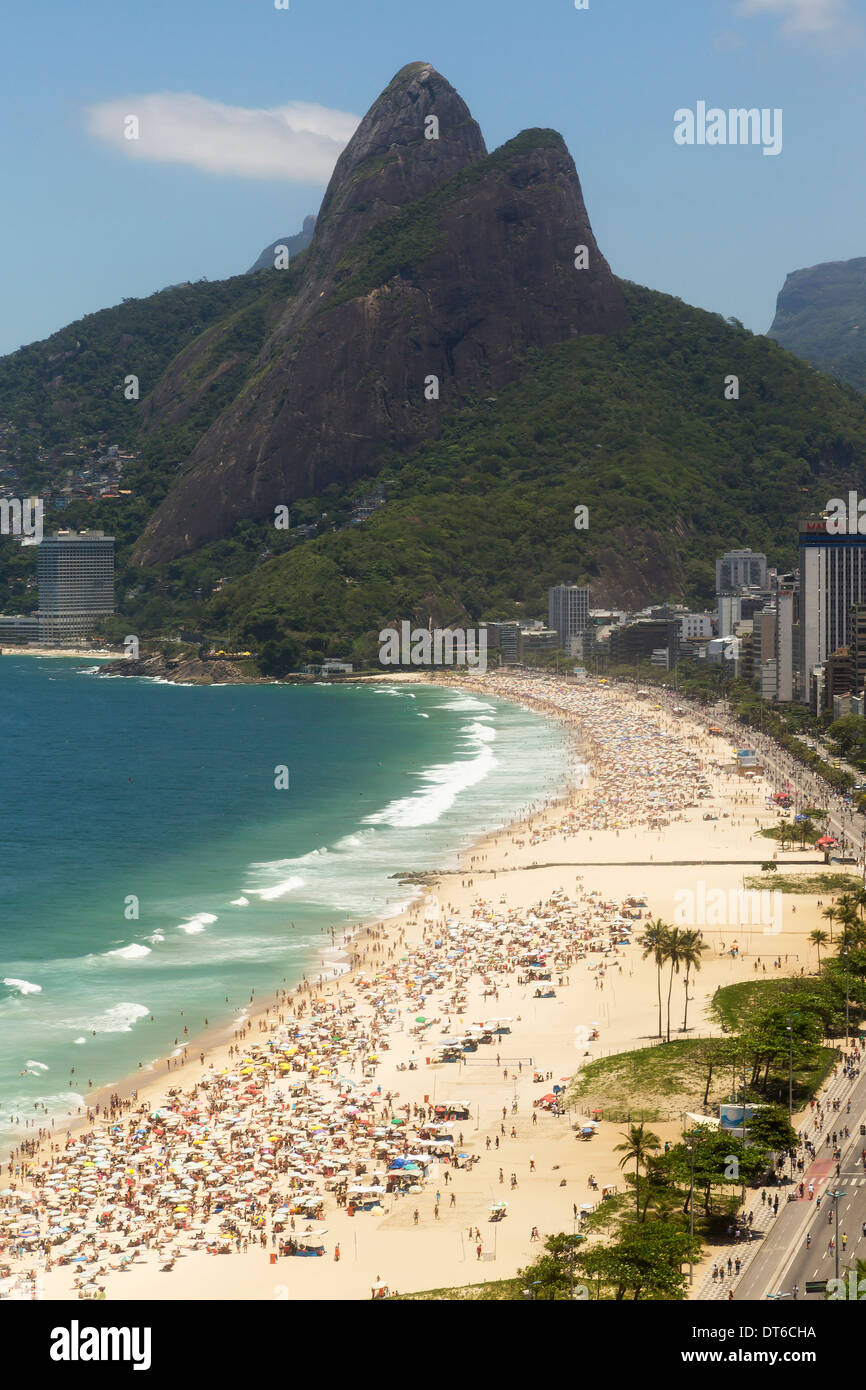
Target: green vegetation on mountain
[(480, 522), (68, 390), (821, 316)]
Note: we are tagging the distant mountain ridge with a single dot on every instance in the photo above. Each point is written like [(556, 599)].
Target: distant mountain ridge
[(821, 316), (294, 244)]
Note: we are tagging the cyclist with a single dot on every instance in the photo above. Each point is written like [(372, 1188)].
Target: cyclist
[(808, 1241)]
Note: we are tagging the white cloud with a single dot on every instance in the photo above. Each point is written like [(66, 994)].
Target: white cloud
[(296, 143), (830, 19)]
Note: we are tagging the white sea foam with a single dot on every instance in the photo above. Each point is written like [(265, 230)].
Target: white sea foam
[(240, 902), (442, 785), (466, 702), (37, 1066), (118, 1019), (480, 731), (21, 986), (278, 890), (157, 937), (79, 1042), (132, 952), (193, 925), (423, 716)]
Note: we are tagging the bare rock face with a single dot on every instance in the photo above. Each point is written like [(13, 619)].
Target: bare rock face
[(430, 259)]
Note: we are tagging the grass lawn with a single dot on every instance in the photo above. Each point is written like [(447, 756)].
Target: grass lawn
[(496, 1290), (735, 1005), (805, 883), (651, 1083)]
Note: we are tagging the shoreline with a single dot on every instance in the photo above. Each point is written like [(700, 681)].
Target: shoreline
[(73, 653), (220, 1035), (626, 1013)]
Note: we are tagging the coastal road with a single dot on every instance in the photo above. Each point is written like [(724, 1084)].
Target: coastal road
[(784, 1259)]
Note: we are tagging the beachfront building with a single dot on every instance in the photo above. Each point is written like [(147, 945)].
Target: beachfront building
[(696, 627), (768, 680), (646, 639), (786, 637), (76, 584), (857, 646), (537, 638), (832, 579), (18, 629), (740, 569), (504, 638), (568, 611)]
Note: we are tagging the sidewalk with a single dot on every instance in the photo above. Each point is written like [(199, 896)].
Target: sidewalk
[(820, 1172)]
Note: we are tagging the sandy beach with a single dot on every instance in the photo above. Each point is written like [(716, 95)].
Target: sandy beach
[(284, 1108)]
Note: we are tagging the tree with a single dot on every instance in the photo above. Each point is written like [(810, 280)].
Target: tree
[(692, 947), (639, 1144), (713, 1053), (653, 943), (720, 1160), (818, 938), (673, 955), (552, 1274), (771, 1128), (278, 658), (831, 913), (645, 1262)]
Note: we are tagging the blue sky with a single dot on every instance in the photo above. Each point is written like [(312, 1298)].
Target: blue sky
[(88, 220)]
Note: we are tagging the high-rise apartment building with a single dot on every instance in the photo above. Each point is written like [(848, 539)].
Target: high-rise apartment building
[(76, 583), (741, 569), (568, 611), (832, 578), (785, 646)]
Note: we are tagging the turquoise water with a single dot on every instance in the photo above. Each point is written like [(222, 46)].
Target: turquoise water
[(124, 796)]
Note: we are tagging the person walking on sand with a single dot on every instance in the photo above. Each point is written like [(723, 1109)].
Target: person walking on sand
[(478, 1250)]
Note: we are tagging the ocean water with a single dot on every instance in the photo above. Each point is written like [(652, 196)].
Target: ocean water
[(153, 875)]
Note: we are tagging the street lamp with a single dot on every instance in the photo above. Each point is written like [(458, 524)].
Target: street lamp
[(690, 1141), (836, 1195), (790, 1031)]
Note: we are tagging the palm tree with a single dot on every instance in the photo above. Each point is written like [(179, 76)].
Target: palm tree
[(639, 1145), (673, 954), (692, 947), (653, 942), (818, 938), (846, 911), (831, 913), (860, 900)]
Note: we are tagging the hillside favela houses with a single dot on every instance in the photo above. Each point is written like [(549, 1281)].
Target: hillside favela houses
[(76, 589)]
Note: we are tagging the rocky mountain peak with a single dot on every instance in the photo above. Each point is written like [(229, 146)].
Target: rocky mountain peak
[(397, 155)]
